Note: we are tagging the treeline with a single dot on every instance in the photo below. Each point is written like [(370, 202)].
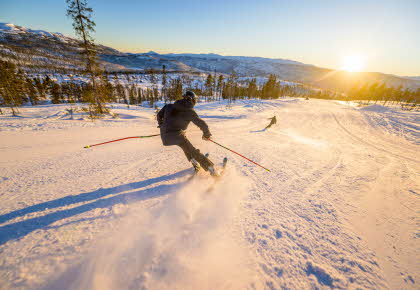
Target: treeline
[(379, 92), (233, 88), (17, 88)]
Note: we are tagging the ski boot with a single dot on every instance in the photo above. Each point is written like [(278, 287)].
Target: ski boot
[(195, 164), (213, 172)]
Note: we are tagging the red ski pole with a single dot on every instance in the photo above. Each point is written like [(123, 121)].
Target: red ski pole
[(240, 155), (148, 136)]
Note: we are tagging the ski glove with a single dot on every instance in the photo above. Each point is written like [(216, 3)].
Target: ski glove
[(206, 136)]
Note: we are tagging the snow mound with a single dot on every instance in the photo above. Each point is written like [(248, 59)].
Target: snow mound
[(322, 275), (394, 121)]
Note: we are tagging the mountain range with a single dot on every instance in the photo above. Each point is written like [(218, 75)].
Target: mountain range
[(42, 51)]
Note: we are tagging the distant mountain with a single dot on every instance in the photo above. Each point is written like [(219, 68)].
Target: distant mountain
[(242, 58), (413, 78), (43, 51)]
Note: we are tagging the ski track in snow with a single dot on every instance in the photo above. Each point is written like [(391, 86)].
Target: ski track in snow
[(339, 209)]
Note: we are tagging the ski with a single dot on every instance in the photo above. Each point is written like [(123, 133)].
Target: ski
[(218, 169), (222, 168)]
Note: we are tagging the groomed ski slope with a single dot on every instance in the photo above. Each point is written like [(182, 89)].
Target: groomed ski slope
[(338, 210)]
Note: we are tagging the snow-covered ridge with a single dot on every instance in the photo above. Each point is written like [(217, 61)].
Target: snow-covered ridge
[(10, 28), (243, 58)]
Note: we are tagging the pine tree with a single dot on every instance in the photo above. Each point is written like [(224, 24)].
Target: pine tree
[(252, 88), (220, 82), (371, 92), (149, 96), (84, 26), (133, 94), (164, 82), (42, 94), (175, 90), (214, 84), (105, 89), (31, 91), (230, 88), (121, 95), (153, 78), (271, 88), (47, 82), (209, 85), (12, 86), (56, 94), (140, 96)]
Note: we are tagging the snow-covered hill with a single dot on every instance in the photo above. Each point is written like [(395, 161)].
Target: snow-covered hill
[(11, 29), (338, 209)]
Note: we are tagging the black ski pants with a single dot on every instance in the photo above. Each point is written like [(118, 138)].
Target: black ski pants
[(191, 152)]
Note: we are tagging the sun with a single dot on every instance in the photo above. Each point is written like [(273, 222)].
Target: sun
[(353, 63)]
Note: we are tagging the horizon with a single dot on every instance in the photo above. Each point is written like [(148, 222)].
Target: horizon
[(306, 30), (211, 53)]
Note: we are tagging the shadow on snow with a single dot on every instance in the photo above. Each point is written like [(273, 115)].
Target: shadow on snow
[(258, 131), (22, 228), (222, 117)]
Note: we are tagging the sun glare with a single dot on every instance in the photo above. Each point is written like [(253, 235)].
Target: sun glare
[(353, 63)]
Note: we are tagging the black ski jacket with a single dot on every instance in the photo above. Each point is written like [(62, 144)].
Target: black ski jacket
[(173, 120)]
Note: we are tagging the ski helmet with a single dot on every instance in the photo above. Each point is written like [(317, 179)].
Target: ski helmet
[(191, 96)]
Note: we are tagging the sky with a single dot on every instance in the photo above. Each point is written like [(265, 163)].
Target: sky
[(326, 33)]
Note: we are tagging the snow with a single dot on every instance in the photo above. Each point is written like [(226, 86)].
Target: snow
[(338, 210), (391, 120), (12, 29), (8, 26)]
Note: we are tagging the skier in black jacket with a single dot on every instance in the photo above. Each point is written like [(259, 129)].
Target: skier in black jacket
[(173, 120), (273, 121)]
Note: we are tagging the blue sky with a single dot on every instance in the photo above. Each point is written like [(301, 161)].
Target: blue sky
[(319, 32)]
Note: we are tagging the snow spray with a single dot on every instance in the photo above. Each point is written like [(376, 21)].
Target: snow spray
[(185, 241)]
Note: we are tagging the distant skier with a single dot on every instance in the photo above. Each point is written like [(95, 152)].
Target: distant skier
[(173, 120), (273, 121)]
